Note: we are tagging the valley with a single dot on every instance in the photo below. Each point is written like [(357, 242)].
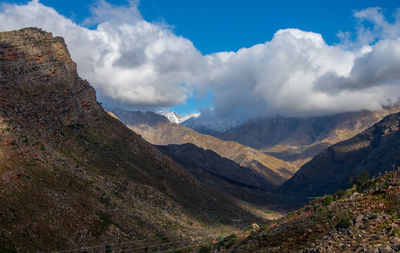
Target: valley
[(76, 176), (72, 175)]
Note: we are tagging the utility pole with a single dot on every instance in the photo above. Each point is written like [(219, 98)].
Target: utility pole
[(236, 222)]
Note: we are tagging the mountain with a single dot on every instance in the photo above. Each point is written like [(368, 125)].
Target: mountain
[(210, 162), (162, 133), (375, 151), (178, 119), (209, 123), (72, 176), (298, 140), (228, 177), (348, 221)]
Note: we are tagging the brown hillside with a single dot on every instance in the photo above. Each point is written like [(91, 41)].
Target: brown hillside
[(298, 140), (375, 150), (161, 132)]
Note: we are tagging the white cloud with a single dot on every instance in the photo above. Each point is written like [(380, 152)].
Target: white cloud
[(134, 62), (125, 58)]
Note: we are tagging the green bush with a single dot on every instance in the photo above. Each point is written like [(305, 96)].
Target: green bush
[(362, 182), (327, 200), (205, 249), (395, 232), (339, 194), (344, 223), (373, 216), (227, 242)]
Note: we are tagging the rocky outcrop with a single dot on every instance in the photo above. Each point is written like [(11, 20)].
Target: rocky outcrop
[(39, 84)]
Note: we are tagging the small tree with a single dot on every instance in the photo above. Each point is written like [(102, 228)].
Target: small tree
[(327, 200), (344, 222), (361, 182)]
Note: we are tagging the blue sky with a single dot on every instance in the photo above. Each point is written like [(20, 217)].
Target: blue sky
[(205, 29), (228, 25)]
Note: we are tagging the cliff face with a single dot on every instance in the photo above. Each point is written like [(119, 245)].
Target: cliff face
[(71, 175), (40, 85)]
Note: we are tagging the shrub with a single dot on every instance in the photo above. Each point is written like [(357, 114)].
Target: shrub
[(373, 216), (344, 223), (395, 231), (205, 249), (227, 242), (327, 200), (361, 182), (339, 194)]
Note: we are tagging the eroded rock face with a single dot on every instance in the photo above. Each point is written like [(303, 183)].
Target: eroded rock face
[(34, 67)]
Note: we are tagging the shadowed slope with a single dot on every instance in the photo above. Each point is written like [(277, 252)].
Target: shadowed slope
[(298, 140), (160, 132), (375, 150)]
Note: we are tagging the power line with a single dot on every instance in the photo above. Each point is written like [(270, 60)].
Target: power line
[(115, 244)]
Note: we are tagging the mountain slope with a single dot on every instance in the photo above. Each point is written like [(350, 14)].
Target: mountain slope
[(231, 179), (375, 150), (210, 162), (161, 133), (349, 221), (71, 175), (297, 140)]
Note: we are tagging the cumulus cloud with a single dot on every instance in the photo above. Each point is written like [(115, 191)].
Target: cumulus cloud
[(125, 58), (134, 62)]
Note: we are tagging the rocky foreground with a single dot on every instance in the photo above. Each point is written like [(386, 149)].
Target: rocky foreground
[(362, 219)]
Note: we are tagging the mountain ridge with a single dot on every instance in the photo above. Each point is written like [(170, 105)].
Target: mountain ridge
[(375, 150), (298, 140), (164, 133)]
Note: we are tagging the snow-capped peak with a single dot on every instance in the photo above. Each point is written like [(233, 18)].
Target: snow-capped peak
[(176, 118)]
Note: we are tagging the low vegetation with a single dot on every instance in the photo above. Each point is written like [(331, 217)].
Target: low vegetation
[(364, 217)]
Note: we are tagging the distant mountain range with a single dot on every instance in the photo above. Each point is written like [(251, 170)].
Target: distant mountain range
[(178, 119), (209, 123), (161, 132), (375, 150), (296, 140)]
